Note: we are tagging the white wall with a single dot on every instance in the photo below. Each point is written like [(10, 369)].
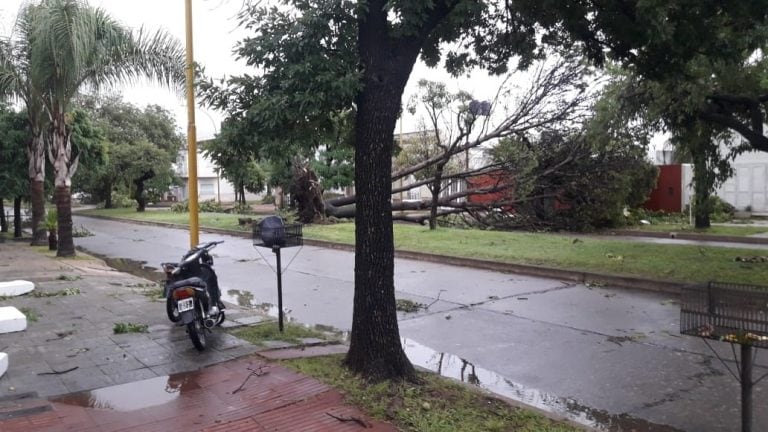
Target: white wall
[(747, 187), (209, 184)]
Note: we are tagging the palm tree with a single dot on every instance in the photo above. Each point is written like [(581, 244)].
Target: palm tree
[(74, 46), (15, 82)]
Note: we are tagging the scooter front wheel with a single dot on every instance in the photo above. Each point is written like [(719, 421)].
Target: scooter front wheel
[(196, 332), (171, 310)]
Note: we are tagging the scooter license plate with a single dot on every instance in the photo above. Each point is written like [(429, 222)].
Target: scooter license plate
[(185, 305)]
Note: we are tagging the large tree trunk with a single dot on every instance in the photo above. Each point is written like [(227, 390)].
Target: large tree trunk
[(3, 220), (242, 193), (375, 350), (139, 195), (108, 196), (437, 185), (63, 198), (703, 185), (36, 159), (17, 217), (64, 168), (307, 194)]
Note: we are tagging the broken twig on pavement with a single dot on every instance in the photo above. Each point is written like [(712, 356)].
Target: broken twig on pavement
[(438, 298), (55, 372), (357, 420), (254, 372)]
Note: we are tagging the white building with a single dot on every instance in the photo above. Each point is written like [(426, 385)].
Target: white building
[(210, 185), (747, 189)]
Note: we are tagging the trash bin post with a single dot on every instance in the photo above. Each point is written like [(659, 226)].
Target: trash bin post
[(272, 233), (746, 388), (276, 250)]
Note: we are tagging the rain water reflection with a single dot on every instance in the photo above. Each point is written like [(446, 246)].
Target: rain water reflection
[(452, 366), (132, 396)]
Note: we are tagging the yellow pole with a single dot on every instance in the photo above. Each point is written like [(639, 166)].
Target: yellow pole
[(194, 239)]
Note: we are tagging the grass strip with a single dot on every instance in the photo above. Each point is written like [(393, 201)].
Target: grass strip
[(292, 333), (436, 404), (684, 263), (208, 220)]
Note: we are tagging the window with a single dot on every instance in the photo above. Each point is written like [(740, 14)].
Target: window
[(207, 188)]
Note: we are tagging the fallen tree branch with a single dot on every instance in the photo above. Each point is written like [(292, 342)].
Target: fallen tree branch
[(357, 420), (254, 372), (55, 372), (436, 300)]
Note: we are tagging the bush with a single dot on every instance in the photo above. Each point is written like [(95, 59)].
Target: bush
[(289, 216), (122, 201), (51, 220), (180, 207), (268, 199), (211, 206), (722, 211), (241, 208)]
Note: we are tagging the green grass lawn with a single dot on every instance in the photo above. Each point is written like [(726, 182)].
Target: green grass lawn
[(209, 220), (673, 262)]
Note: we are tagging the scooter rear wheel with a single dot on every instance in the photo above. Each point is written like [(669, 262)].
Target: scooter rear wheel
[(171, 310), (196, 332)]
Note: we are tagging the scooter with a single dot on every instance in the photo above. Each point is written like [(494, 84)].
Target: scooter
[(192, 296)]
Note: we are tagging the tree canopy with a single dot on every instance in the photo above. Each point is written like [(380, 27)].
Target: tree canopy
[(14, 135), (142, 145), (63, 47)]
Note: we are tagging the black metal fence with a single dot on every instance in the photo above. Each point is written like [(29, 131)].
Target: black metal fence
[(726, 312)]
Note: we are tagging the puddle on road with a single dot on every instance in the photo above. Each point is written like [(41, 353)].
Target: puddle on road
[(126, 265), (245, 299), (132, 396), (452, 366)]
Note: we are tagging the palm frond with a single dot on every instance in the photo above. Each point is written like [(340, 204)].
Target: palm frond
[(76, 45)]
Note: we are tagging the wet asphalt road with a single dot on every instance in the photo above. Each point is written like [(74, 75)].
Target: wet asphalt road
[(608, 357)]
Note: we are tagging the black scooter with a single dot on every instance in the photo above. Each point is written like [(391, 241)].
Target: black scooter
[(192, 293)]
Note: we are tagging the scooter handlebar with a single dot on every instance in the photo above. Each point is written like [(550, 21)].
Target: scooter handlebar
[(208, 245)]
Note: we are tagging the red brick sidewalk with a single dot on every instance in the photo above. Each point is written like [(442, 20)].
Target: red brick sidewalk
[(247, 394)]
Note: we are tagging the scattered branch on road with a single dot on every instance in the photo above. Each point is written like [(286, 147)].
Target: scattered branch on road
[(55, 372), (61, 335), (254, 372), (436, 300), (357, 420)]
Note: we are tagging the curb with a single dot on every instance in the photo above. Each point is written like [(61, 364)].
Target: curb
[(631, 282), (689, 236)]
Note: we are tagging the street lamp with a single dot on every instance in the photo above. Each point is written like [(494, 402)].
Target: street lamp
[(476, 108)]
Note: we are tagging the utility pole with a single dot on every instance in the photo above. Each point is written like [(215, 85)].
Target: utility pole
[(194, 236)]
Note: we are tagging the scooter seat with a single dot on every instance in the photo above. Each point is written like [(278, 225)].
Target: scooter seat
[(193, 282)]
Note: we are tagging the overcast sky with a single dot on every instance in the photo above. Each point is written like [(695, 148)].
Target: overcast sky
[(215, 34)]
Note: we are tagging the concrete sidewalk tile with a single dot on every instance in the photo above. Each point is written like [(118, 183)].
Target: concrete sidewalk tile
[(86, 379)]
